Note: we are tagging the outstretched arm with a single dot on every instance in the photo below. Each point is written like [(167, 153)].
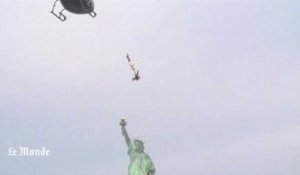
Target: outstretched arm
[(128, 59), (124, 132)]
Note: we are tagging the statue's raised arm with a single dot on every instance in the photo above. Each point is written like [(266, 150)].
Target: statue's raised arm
[(124, 132)]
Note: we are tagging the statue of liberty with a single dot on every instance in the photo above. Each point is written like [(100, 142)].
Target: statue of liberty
[(140, 162)]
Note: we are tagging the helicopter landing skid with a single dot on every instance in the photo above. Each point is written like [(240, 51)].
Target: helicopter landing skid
[(61, 16), (93, 14)]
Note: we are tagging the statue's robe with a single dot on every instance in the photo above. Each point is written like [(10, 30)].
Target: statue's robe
[(140, 163)]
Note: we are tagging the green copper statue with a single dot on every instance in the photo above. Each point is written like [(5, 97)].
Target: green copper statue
[(140, 162)]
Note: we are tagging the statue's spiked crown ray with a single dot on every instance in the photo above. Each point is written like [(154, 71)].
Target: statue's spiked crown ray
[(138, 140)]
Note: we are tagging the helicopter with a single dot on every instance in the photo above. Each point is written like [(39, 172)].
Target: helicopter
[(75, 6)]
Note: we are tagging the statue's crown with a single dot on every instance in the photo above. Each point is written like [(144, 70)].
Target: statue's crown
[(137, 140)]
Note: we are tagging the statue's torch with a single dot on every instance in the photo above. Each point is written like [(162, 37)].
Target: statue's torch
[(123, 122)]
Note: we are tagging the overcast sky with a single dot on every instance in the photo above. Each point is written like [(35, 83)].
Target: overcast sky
[(219, 92)]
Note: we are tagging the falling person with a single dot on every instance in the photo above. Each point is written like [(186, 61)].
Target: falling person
[(133, 68)]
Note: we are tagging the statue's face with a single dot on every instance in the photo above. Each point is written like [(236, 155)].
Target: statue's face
[(138, 147)]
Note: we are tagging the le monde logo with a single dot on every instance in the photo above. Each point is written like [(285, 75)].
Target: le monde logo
[(28, 152)]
